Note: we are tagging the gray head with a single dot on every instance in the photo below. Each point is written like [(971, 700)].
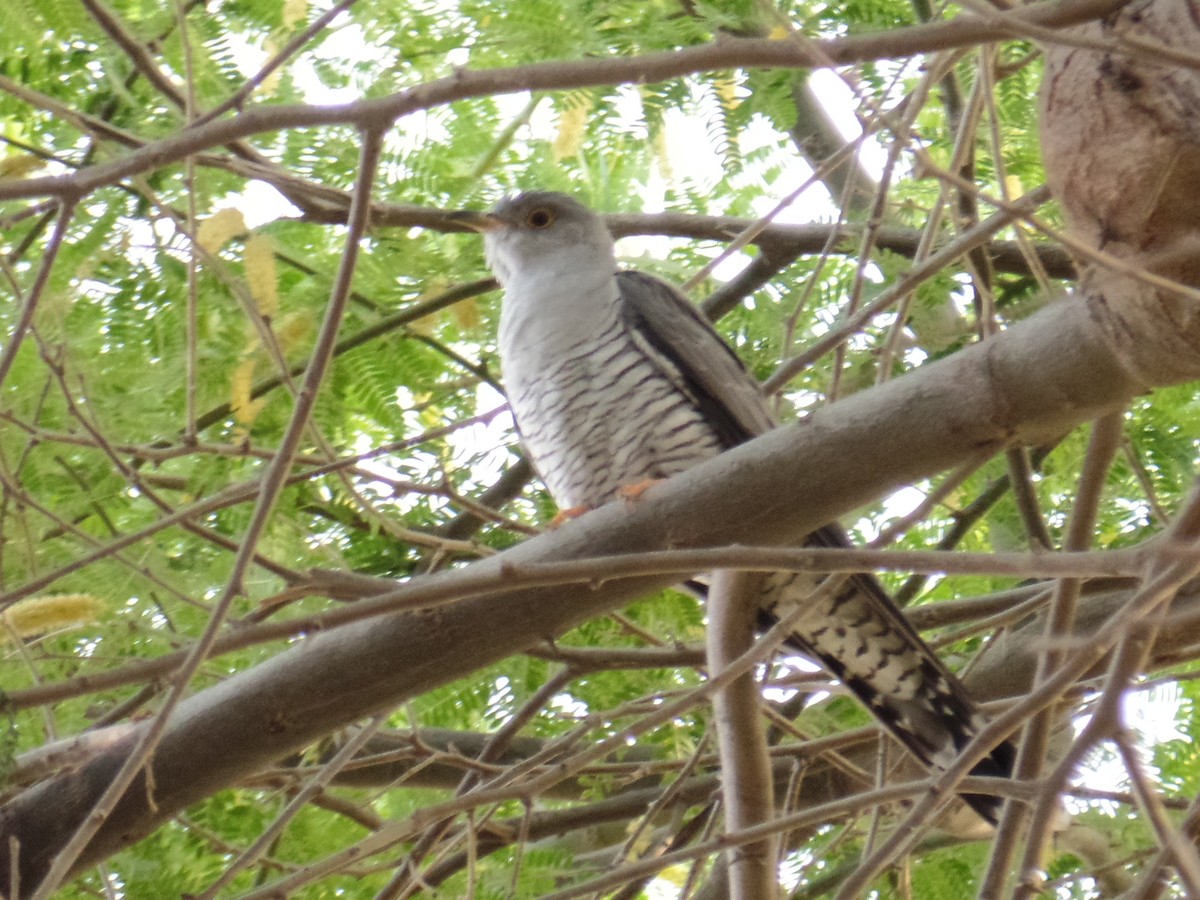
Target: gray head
[(542, 231)]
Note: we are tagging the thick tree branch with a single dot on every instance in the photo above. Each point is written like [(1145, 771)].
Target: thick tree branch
[(273, 482), (746, 784), (1037, 379), (733, 53)]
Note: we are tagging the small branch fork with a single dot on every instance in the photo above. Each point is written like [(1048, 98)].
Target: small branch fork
[(751, 823), (1127, 635), (747, 784), (273, 482), (966, 30)]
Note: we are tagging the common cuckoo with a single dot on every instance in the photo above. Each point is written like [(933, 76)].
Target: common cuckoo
[(614, 378)]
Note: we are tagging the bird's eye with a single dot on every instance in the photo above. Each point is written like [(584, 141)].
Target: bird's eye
[(539, 218)]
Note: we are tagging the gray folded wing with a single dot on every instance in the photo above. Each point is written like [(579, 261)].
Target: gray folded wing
[(710, 372), (857, 632)]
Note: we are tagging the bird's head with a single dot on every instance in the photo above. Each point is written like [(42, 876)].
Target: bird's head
[(537, 230)]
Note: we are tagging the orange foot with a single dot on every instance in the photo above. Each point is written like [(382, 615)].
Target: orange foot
[(631, 492), (566, 515)]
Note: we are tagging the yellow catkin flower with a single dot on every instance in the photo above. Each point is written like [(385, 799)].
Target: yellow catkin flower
[(662, 152), (727, 89), (270, 84), (245, 409), (293, 330), (261, 278), (466, 314), (294, 13), (424, 326), (220, 228), (18, 165), (572, 123), (52, 612)]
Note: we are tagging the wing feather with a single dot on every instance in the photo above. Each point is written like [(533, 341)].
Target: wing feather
[(937, 722), (712, 375)]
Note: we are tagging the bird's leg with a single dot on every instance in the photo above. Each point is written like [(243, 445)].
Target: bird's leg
[(628, 492), (631, 492), (566, 515)]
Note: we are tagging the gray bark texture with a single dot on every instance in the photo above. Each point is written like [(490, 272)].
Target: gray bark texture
[(1121, 129)]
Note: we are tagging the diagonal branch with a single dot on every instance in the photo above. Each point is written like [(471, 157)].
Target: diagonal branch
[(771, 490), (747, 787), (732, 53), (273, 482)]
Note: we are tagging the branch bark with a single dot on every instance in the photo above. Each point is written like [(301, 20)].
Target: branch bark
[(1035, 380), (747, 787), (371, 115)]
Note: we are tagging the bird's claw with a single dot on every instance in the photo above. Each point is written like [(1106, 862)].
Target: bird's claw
[(566, 515), (633, 492)]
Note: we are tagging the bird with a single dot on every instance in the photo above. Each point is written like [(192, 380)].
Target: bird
[(615, 380)]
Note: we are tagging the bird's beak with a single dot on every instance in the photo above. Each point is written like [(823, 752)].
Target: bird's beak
[(477, 221)]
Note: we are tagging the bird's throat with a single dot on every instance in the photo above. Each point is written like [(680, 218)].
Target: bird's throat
[(546, 312)]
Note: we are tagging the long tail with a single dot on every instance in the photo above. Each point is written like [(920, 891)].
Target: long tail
[(863, 639)]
